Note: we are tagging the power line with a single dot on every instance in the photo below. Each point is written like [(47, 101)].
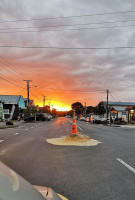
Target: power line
[(21, 91), (35, 96), (10, 82), (66, 17), (75, 29), (7, 76), (9, 64), (66, 48), (48, 26), (113, 98)]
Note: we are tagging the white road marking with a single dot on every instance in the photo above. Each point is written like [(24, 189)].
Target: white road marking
[(16, 133), (77, 126), (32, 127), (126, 165), (1, 140), (26, 129)]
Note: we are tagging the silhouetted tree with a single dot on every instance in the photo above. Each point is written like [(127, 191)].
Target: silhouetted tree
[(99, 109), (78, 107), (90, 109)]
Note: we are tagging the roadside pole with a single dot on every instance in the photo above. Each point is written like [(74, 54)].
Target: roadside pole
[(85, 109), (107, 104), (28, 91), (44, 101)]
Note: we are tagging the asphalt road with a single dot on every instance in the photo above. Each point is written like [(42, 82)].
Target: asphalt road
[(79, 173)]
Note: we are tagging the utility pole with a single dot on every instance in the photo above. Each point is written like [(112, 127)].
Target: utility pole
[(107, 91), (85, 109), (44, 101), (28, 91), (49, 105)]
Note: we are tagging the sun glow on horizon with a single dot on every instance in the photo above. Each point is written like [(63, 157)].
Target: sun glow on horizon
[(61, 108), (57, 106)]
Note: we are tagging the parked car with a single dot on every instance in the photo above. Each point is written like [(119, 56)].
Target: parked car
[(41, 117), (87, 119), (49, 117), (104, 121), (14, 187), (28, 117), (82, 118), (95, 119)]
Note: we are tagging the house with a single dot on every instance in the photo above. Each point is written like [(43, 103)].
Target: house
[(31, 102), (11, 106), (118, 109)]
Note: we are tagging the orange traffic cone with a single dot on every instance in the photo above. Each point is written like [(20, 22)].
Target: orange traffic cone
[(74, 126)]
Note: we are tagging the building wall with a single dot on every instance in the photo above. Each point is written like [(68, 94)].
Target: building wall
[(21, 103)]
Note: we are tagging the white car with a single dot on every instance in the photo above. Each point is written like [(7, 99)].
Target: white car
[(82, 118), (14, 187)]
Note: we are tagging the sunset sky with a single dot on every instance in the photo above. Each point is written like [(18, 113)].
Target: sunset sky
[(68, 75)]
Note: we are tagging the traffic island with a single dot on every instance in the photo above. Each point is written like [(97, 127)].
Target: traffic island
[(74, 139), (77, 140)]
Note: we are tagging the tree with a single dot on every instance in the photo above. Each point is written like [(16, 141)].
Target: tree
[(46, 109), (31, 110), (78, 107), (54, 112), (99, 109), (90, 109)]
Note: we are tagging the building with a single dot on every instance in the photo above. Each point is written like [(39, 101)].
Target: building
[(119, 109), (131, 114), (31, 102), (11, 106)]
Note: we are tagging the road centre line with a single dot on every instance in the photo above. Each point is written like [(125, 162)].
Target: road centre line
[(126, 165), (16, 133), (26, 129), (76, 125), (1, 140)]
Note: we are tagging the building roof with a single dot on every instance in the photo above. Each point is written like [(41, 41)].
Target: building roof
[(119, 108), (10, 99), (119, 103)]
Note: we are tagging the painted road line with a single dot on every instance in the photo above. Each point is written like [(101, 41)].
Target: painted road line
[(1, 140), (16, 133), (26, 129), (126, 165), (77, 126)]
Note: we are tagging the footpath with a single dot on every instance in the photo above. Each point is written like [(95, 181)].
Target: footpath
[(16, 124)]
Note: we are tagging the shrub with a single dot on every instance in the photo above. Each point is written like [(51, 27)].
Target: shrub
[(9, 123)]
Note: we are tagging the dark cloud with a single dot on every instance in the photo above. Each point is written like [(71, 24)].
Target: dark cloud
[(89, 70)]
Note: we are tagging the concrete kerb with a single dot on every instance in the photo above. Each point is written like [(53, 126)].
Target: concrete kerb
[(8, 126)]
